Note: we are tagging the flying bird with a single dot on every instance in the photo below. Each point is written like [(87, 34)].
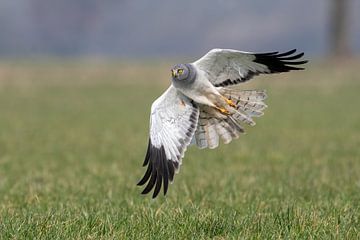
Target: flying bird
[(202, 106)]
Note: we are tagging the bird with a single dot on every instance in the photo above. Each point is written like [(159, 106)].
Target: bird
[(203, 105)]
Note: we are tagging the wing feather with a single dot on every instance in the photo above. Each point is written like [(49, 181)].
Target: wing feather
[(225, 67), (173, 122)]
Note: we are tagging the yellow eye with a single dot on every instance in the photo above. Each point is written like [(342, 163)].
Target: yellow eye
[(180, 71)]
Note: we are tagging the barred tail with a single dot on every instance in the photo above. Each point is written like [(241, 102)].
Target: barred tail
[(212, 126), (248, 102)]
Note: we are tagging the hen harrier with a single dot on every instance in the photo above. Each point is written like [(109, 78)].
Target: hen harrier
[(201, 106)]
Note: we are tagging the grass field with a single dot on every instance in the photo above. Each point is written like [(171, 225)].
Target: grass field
[(73, 136)]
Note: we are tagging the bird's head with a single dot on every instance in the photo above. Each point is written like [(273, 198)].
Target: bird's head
[(179, 72), (183, 72)]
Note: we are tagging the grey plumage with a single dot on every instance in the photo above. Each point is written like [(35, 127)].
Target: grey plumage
[(202, 107)]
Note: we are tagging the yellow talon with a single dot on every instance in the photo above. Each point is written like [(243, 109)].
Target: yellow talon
[(223, 110), (229, 102)]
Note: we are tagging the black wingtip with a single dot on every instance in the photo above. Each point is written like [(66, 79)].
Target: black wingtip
[(146, 176), (147, 156), (157, 186), (161, 168), (159, 171), (281, 62), (151, 183), (297, 56), (286, 53)]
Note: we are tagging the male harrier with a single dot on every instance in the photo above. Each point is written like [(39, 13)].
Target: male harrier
[(201, 106)]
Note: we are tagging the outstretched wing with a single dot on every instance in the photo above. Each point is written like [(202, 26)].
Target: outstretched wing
[(226, 67), (173, 122)]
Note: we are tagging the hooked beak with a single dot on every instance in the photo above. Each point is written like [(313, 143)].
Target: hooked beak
[(173, 73)]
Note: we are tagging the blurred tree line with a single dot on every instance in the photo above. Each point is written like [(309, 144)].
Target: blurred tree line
[(339, 35)]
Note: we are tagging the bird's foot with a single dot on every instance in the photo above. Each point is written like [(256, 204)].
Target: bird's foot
[(229, 102), (223, 110)]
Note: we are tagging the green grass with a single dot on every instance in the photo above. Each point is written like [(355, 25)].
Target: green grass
[(73, 137)]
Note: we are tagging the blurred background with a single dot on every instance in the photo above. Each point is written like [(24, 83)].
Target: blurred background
[(171, 28), (77, 80)]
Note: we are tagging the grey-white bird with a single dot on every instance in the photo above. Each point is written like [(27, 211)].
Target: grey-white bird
[(201, 106)]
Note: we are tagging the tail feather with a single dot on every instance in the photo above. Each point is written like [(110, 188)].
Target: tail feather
[(200, 138), (212, 126), (251, 108), (246, 95), (224, 133), (228, 129), (212, 136), (243, 117), (249, 103)]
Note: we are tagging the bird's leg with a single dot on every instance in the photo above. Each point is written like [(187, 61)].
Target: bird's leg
[(229, 102), (223, 110)]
